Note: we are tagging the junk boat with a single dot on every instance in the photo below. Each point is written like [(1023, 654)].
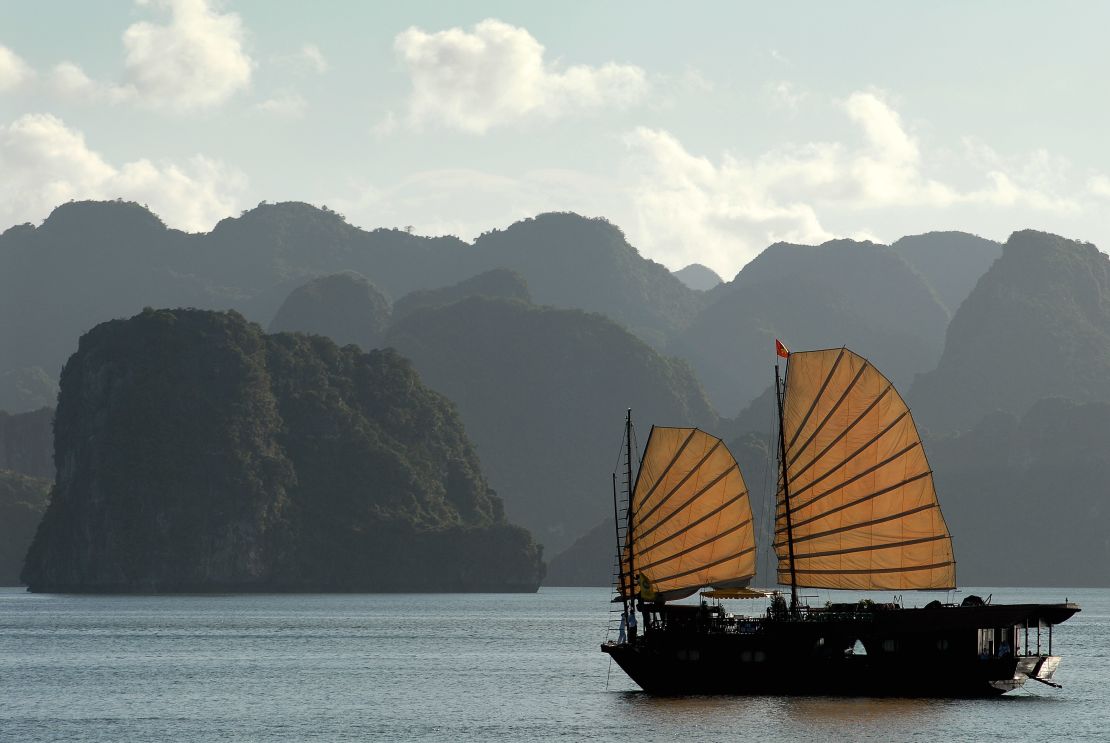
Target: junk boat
[(855, 509)]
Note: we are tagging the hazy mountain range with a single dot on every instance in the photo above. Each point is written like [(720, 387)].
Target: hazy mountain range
[(542, 334)]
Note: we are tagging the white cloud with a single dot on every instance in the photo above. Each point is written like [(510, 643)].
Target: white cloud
[(1099, 185), (723, 213), (46, 163), (288, 105), (496, 74), (385, 127), (13, 70), (195, 61), (690, 210), (785, 94), (70, 81), (313, 58), (465, 202)]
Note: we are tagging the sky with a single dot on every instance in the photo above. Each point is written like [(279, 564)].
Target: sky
[(705, 132)]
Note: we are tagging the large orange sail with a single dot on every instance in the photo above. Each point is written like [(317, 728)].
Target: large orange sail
[(691, 518), (864, 512)]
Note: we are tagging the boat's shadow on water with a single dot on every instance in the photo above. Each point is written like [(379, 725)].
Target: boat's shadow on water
[(831, 710)]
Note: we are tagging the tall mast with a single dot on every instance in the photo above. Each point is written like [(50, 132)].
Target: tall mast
[(786, 491), (628, 479)]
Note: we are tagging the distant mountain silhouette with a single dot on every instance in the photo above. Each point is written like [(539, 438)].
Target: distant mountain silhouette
[(698, 277), (275, 242), (198, 454), (27, 388), (88, 262), (27, 443), (344, 307), (498, 282), (840, 293), (543, 394), (1036, 325), (94, 261), (1026, 499), (950, 261), (22, 502), (573, 262)]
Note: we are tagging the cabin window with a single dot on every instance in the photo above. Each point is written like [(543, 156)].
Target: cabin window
[(942, 644), (986, 643), (889, 646)]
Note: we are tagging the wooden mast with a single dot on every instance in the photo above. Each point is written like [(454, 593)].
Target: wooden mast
[(632, 583), (620, 547), (786, 491)]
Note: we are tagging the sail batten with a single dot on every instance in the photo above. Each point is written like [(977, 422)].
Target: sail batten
[(862, 501), (865, 548), (692, 521), (856, 502), (835, 407), (715, 512), (678, 486), (844, 433), (663, 474), (688, 550)]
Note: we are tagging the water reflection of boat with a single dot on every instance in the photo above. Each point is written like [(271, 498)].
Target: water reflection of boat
[(856, 509)]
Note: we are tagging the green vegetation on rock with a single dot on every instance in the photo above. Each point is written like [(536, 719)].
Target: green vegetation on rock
[(196, 453)]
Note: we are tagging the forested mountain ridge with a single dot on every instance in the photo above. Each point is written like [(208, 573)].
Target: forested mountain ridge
[(951, 262), (542, 392), (89, 262), (196, 454), (497, 282), (1036, 325)]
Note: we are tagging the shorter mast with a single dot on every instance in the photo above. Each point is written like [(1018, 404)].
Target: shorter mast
[(786, 490)]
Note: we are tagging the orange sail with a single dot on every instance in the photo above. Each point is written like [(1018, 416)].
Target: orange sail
[(691, 519), (863, 509)]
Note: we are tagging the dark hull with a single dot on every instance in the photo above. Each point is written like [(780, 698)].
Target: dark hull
[(903, 652)]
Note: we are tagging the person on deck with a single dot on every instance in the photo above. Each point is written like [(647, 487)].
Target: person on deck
[(632, 627), (624, 623)]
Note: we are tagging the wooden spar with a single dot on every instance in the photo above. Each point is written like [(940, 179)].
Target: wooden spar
[(630, 513), (786, 493)]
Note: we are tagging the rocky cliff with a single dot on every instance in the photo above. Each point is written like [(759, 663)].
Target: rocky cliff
[(195, 453)]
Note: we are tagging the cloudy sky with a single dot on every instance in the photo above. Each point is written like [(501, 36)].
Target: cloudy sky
[(706, 133)]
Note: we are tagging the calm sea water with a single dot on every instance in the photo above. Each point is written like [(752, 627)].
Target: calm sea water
[(450, 668)]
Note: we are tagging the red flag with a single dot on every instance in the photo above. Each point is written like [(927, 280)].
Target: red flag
[(781, 350)]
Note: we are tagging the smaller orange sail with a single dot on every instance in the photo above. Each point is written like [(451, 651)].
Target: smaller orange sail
[(781, 350), (692, 522)]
